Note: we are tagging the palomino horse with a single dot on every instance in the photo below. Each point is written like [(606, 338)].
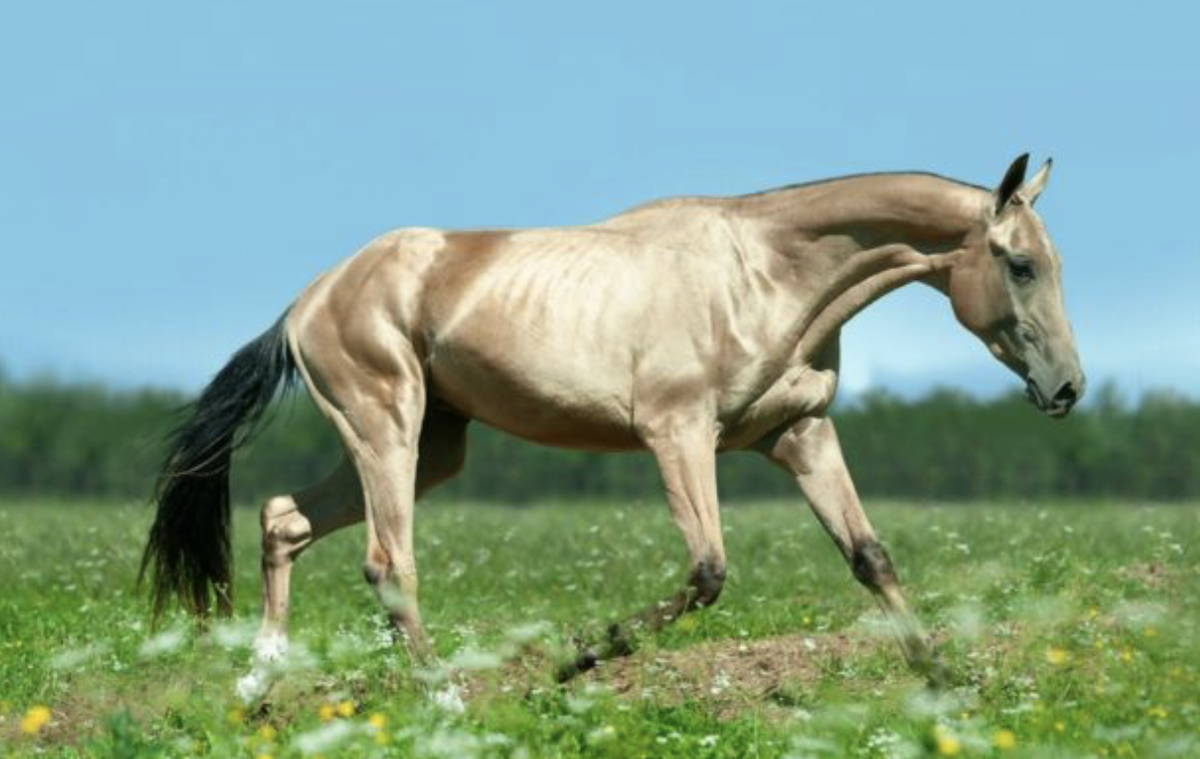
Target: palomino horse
[(687, 327)]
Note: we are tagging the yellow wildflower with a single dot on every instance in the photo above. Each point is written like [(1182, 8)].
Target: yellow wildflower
[(35, 719), (266, 732), (325, 712), (377, 721), (264, 755), (948, 745), (1004, 740), (1056, 656), (1060, 726), (235, 716), (1092, 613), (1158, 712), (345, 709), (1126, 655)]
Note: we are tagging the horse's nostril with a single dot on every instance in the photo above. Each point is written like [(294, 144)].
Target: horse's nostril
[(1066, 395)]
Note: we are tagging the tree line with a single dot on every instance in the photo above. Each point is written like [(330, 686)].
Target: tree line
[(82, 440)]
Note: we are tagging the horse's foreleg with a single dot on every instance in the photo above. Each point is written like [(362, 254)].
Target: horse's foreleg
[(810, 451), (686, 459)]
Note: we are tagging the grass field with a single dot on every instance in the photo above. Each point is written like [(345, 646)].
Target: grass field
[(1072, 630)]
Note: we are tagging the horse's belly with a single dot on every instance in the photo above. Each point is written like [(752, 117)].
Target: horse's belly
[(559, 400)]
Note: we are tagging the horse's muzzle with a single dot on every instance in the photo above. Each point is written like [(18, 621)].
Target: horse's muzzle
[(1058, 405)]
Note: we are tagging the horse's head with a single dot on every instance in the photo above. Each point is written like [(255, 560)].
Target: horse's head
[(1007, 289)]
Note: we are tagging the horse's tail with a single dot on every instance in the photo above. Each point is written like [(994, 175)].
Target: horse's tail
[(188, 552)]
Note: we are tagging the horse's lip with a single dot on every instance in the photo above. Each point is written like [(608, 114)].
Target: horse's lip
[(1034, 394)]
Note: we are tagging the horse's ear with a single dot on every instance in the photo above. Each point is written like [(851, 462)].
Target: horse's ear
[(1030, 191), (1011, 182)]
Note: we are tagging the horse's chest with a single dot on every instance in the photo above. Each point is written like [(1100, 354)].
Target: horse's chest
[(801, 391)]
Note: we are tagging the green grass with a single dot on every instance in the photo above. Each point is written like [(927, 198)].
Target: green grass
[(1076, 628)]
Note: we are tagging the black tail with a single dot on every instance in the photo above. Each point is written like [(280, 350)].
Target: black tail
[(188, 551)]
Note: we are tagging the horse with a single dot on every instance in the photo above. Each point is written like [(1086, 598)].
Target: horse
[(685, 327)]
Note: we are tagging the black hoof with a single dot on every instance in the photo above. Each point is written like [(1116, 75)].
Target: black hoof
[(937, 675), (583, 661)]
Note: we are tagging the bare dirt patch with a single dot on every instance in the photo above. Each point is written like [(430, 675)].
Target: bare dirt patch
[(731, 674), (1151, 575)]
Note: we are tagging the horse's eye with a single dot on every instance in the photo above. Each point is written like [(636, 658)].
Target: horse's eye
[(1021, 271)]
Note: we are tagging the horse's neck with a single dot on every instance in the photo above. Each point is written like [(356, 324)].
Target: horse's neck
[(921, 206), (841, 245)]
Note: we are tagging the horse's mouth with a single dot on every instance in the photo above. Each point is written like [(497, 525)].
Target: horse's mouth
[(1056, 408)]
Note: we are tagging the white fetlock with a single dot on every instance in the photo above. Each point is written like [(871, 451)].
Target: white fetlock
[(448, 698), (269, 652), (270, 648)]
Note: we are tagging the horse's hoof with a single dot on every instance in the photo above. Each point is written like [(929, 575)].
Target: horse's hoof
[(586, 659), (253, 687), (937, 675)]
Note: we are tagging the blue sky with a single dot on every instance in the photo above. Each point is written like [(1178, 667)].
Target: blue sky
[(172, 175)]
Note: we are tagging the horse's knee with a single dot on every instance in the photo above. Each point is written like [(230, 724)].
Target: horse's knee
[(708, 579), (375, 569), (872, 566), (285, 531)]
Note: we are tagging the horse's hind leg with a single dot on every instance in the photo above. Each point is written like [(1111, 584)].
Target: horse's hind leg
[(686, 457), (378, 407), (391, 564), (290, 524)]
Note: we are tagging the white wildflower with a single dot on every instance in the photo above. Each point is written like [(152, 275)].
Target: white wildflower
[(475, 659), (325, 738), (449, 699), (166, 642), (76, 658), (233, 634)]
